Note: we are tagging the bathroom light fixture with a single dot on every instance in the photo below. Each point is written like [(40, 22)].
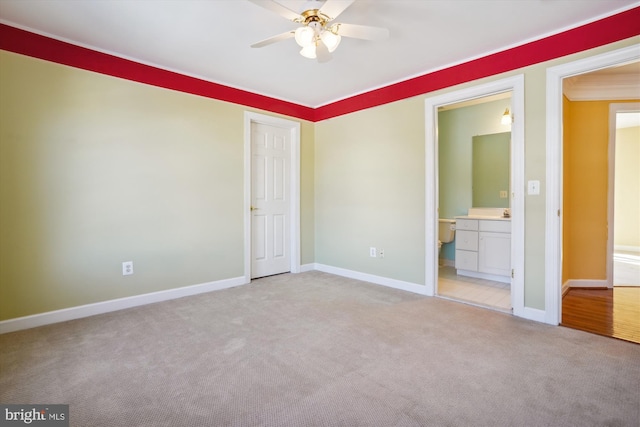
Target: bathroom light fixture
[(506, 117)]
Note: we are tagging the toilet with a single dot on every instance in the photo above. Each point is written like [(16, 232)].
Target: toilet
[(446, 231)]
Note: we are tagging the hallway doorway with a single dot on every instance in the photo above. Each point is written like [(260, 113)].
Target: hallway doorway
[(556, 274), (624, 245)]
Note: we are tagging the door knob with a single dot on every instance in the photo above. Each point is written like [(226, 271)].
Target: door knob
[(254, 209)]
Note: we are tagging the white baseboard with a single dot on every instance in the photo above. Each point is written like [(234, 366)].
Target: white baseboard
[(626, 248), (585, 283), (87, 310), (307, 267), (447, 262), (378, 280), (534, 314), (565, 288)]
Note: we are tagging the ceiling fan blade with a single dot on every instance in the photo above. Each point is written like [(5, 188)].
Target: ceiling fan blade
[(333, 8), (362, 32), (277, 8), (322, 52), (274, 39)]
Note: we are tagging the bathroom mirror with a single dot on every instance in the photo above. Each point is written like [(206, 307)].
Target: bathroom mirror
[(490, 170)]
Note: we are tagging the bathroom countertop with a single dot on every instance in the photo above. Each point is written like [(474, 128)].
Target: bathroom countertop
[(492, 218)]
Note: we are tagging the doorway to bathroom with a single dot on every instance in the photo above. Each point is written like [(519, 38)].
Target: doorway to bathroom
[(482, 263), (474, 140)]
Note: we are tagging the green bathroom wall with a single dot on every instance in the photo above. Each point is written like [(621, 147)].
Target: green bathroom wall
[(490, 170)]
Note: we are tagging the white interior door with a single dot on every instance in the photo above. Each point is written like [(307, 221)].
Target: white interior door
[(270, 200)]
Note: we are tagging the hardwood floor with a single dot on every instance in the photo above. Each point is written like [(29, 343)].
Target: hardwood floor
[(610, 312)]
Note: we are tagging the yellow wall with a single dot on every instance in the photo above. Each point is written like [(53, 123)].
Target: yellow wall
[(97, 170), (627, 188), (585, 189)]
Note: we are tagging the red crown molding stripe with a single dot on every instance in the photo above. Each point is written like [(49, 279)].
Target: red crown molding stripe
[(27, 43), (608, 30)]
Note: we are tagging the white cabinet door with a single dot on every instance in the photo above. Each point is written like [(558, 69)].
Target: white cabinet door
[(494, 253), (466, 260), (467, 240)]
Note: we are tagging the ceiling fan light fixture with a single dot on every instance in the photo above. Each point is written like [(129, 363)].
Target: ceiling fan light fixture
[(317, 34), (330, 39), (305, 36), (309, 51)]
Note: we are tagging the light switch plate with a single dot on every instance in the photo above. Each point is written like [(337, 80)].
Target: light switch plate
[(533, 188)]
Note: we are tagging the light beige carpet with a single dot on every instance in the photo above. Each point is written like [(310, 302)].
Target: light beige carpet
[(315, 349)]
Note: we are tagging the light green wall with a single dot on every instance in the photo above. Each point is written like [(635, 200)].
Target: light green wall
[(370, 190), (370, 184), (97, 170), (307, 192)]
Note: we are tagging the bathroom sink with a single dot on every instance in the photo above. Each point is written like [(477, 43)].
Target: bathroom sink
[(487, 213)]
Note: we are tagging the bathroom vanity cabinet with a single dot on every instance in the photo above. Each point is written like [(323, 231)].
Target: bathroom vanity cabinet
[(483, 248)]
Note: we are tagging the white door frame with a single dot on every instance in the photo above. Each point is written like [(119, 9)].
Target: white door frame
[(553, 221), (614, 109), (294, 187), (515, 85)]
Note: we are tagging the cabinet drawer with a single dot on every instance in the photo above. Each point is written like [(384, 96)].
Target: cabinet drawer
[(466, 260), (495, 226), (466, 224), (467, 240)]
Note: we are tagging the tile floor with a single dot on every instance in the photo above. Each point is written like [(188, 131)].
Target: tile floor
[(485, 293)]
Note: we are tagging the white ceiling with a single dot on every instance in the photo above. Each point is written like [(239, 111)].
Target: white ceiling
[(613, 83), (627, 120), (211, 39)]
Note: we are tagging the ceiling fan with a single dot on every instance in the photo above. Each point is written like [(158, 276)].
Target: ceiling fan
[(318, 35)]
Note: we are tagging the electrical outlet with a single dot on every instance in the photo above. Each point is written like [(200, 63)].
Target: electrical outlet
[(503, 194), (373, 252), (381, 253), (127, 268)]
